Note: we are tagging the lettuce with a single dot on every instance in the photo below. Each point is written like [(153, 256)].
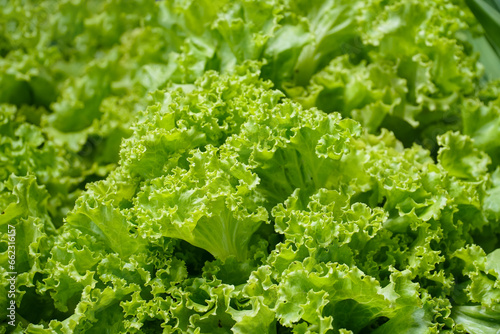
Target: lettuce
[(250, 166), (366, 232)]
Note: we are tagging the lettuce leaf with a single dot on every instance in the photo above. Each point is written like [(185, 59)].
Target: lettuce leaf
[(249, 166)]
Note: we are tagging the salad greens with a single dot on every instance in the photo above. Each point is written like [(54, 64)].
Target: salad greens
[(279, 166)]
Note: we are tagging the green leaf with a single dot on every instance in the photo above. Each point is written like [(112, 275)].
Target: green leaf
[(213, 205), (107, 223), (460, 158), (477, 319), (489, 17)]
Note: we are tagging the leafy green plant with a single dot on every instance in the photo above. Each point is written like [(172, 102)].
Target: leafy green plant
[(250, 166)]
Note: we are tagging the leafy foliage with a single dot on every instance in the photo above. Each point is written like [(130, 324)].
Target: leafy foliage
[(250, 166)]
